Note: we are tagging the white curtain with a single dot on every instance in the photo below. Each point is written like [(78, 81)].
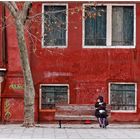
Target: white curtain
[(122, 25)]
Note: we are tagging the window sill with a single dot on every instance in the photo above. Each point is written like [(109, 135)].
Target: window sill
[(123, 111), (110, 47), (47, 110), (54, 47)]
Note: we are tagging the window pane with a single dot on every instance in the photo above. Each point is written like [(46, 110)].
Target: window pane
[(95, 25), (54, 25), (52, 95), (122, 25), (122, 96)]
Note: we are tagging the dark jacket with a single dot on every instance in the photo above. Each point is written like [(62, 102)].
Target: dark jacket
[(100, 111)]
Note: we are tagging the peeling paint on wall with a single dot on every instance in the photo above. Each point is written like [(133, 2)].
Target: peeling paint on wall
[(56, 74)]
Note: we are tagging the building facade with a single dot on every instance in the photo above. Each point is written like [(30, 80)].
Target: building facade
[(77, 51)]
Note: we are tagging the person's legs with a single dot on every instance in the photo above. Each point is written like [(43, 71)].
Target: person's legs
[(104, 122), (100, 122)]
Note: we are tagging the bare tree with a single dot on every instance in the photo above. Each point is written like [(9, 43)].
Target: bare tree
[(20, 18)]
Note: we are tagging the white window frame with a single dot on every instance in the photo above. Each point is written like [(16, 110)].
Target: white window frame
[(54, 4), (40, 91), (124, 111), (109, 27)]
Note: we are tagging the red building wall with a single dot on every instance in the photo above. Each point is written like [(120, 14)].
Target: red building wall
[(87, 71), (0, 35)]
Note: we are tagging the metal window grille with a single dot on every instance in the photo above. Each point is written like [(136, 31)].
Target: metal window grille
[(52, 95), (122, 96)]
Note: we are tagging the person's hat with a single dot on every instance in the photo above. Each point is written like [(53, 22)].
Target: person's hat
[(101, 98)]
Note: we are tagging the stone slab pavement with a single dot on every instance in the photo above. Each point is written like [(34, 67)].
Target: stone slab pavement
[(70, 131)]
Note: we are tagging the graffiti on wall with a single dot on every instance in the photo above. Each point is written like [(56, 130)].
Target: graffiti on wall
[(7, 114), (16, 86)]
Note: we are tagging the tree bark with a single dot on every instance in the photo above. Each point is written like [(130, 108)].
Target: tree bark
[(29, 92)]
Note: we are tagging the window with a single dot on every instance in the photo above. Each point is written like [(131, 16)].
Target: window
[(123, 97), (122, 25), (109, 26), (95, 27), (52, 95), (54, 25)]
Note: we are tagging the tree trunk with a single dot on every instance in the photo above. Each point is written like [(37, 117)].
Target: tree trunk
[(28, 82)]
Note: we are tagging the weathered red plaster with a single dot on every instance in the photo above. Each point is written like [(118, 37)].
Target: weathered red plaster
[(87, 71)]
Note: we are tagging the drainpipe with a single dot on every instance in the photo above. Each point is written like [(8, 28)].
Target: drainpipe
[(4, 48)]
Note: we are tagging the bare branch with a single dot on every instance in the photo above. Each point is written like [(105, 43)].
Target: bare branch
[(32, 34), (26, 5), (25, 11), (14, 5), (10, 7)]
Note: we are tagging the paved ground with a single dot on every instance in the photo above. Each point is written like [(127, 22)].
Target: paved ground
[(71, 131)]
